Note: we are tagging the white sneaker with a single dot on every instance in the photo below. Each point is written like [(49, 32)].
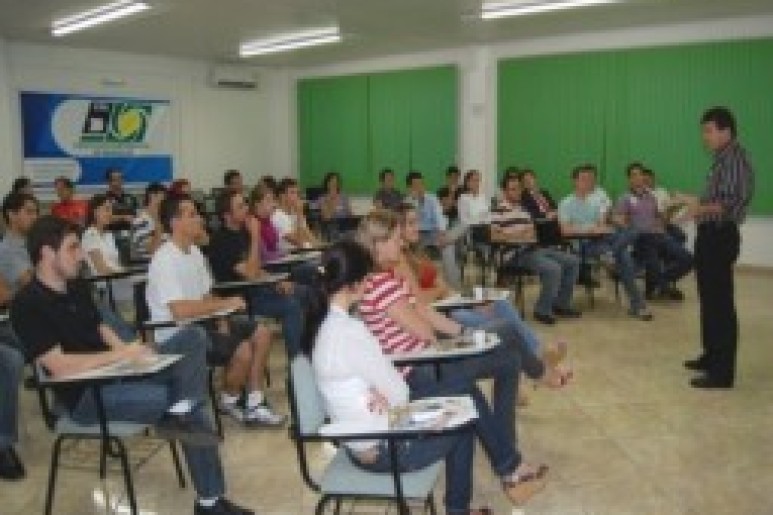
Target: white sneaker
[(262, 416), (232, 410)]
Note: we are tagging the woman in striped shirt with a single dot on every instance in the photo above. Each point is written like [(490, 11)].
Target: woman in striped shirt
[(392, 313), (359, 385)]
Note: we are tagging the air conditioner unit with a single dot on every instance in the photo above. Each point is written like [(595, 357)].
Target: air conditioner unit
[(235, 77)]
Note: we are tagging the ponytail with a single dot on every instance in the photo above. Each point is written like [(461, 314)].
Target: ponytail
[(344, 264)]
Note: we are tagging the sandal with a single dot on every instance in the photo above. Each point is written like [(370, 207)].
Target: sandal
[(522, 486)]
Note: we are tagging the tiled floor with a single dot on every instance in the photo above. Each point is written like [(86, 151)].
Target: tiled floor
[(628, 436)]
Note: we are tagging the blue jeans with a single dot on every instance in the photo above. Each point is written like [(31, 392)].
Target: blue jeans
[(498, 310), (147, 400), (665, 259), (619, 243), (268, 302), (11, 367), (456, 448), (558, 272)]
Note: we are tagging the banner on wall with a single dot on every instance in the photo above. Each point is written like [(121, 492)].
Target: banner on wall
[(81, 136)]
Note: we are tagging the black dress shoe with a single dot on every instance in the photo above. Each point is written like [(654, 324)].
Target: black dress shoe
[(698, 364), (11, 467), (545, 319), (222, 507), (706, 382), (186, 429), (567, 312)]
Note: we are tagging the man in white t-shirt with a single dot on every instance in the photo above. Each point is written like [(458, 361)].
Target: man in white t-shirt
[(288, 218), (179, 288)]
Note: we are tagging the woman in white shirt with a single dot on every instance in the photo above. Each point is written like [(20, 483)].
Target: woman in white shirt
[(474, 207), (99, 245), (359, 385)]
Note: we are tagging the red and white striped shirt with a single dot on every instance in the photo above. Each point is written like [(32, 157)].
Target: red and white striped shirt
[(382, 290)]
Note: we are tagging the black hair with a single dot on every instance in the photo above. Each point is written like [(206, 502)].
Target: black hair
[(329, 177), (170, 209), (229, 176), (507, 179), (14, 202), (648, 172), (345, 263), (520, 174), (465, 182), (583, 168), (95, 202), (110, 171), (48, 231), (636, 165), (20, 183), (443, 192), (722, 117), (270, 182), (285, 184), (413, 174), (451, 170), (65, 181), (383, 173), (152, 188), (224, 201)]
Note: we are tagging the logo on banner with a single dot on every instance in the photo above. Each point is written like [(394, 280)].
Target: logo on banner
[(122, 123)]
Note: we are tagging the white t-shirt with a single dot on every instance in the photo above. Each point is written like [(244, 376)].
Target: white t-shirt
[(175, 275), (473, 209), (285, 224), (348, 361), (104, 243)]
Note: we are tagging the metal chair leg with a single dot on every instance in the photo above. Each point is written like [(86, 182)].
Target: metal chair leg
[(337, 506), (176, 461), (52, 474), (320, 509), (213, 399), (430, 505), (127, 475)]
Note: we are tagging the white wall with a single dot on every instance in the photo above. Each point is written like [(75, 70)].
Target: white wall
[(215, 128), (478, 94)]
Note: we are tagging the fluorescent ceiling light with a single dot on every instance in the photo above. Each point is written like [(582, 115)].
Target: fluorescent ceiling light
[(97, 16), (492, 10), (291, 41)]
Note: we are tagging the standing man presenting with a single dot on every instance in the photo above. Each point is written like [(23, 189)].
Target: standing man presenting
[(718, 213)]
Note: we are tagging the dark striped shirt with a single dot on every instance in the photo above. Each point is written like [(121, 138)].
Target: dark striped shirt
[(730, 183)]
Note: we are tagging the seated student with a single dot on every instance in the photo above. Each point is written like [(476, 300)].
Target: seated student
[(474, 207), (179, 288), (428, 286), (55, 318), (11, 367), (333, 204), (557, 269), (535, 200), (98, 243), (234, 255), (664, 199), (288, 218), (584, 213), (359, 385), (68, 207), (433, 226), (20, 210), (387, 196), (510, 171), (233, 181), (665, 259), (392, 313), (147, 234), (124, 204)]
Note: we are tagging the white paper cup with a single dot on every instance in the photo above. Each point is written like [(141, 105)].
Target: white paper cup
[(479, 291), (479, 337)]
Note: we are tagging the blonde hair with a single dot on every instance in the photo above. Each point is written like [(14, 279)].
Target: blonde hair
[(376, 227)]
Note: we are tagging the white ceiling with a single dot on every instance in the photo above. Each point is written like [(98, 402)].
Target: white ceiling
[(213, 29)]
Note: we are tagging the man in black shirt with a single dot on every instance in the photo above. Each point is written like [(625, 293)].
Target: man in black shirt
[(62, 331), (234, 255)]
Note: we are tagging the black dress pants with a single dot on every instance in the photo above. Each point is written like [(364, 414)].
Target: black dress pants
[(716, 249)]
